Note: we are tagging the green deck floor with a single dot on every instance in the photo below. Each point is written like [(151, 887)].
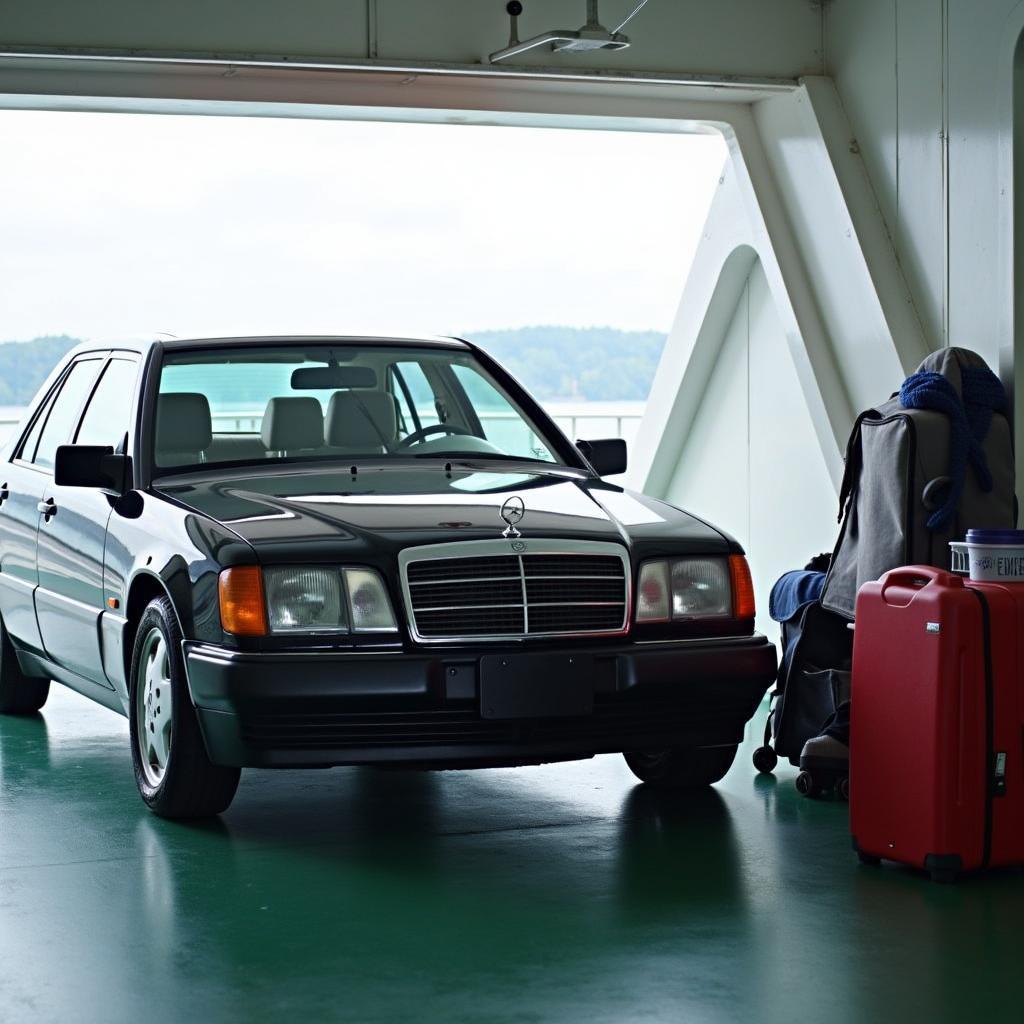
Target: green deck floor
[(563, 893)]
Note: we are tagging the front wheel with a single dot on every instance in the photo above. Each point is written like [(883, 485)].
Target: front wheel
[(175, 777), (683, 767), (19, 694)]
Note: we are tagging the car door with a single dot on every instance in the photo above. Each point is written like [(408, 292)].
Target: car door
[(73, 525), (22, 483)]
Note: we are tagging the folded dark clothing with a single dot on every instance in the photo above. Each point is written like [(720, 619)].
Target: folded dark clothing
[(838, 724), (793, 591)]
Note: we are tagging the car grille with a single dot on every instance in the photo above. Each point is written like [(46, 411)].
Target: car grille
[(533, 593)]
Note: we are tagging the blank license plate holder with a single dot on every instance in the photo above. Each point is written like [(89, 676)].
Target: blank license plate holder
[(536, 685)]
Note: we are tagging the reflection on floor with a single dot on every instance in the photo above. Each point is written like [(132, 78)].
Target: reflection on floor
[(560, 893)]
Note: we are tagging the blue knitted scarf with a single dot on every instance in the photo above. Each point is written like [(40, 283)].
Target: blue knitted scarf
[(969, 421)]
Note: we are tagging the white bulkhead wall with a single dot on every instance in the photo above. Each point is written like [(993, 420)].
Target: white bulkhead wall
[(929, 90)]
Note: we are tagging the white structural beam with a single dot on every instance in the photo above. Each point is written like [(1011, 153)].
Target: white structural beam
[(795, 198), (638, 102), (724, 259), (848, 254)]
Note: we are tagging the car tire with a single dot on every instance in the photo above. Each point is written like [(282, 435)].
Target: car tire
[(19, 694), (682, 767), (175, 777)]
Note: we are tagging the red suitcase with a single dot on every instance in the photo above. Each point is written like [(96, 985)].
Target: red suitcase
[(936, 758)]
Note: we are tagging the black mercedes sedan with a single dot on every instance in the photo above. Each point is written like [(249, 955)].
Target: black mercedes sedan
[(317, 551)]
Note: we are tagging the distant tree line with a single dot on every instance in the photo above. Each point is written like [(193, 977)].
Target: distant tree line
[(589, 363), (24, 365), (585, 363)]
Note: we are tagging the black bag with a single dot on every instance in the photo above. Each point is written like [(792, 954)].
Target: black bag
[(814, 670), (813, 680)]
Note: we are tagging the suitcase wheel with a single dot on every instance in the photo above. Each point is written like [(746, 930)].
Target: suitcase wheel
[(822, 782), (807, 786), (765, 759)]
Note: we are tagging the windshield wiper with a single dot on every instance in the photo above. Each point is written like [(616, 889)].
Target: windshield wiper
[(482, 456)]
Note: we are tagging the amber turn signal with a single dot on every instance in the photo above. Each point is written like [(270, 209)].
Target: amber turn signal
[(743, 606), (243, 610)]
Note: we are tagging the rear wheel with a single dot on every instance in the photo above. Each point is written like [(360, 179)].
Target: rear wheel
[(682, 767), (175, 777), (19, 694)]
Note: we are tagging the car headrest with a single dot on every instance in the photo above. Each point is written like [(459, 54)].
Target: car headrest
[(361, 420), (292, 423), (183, 423)]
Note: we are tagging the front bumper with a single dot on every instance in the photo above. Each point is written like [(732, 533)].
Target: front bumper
[(317, 709)]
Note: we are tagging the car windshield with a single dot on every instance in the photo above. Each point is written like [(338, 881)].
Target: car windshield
[(346, 400)]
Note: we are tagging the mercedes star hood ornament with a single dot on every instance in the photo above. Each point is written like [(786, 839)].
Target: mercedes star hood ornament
[(512, 511)]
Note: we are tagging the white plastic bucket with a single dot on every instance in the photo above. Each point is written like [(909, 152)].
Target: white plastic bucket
[(996, 556)]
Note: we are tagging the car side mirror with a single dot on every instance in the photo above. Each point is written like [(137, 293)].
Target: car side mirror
[(607, 456), (92, 465)]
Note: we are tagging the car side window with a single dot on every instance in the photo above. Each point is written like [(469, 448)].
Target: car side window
[(63, 412), (28, 446), (107, 414)]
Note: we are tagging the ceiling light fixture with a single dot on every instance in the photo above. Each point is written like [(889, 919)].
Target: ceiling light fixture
[(592, 36)]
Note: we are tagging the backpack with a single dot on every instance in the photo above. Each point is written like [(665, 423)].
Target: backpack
[(904, 466)]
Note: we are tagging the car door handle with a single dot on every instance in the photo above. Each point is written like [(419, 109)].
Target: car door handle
[(48, 508), (4, 493)]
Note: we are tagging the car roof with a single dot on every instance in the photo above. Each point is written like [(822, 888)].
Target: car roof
[(275, 339), (316, 339)]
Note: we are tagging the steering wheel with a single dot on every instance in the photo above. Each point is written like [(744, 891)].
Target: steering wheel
[(435, 428)]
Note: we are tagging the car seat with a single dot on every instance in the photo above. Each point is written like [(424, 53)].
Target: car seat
[(361, 422), (292, 426), (184, 429)]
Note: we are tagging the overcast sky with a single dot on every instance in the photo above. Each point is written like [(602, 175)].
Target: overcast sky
[(115, 226)]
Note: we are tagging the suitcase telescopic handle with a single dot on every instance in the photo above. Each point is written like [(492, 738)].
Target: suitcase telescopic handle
[(914, 577)]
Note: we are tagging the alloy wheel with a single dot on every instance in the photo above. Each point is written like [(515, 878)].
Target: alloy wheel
[(154, 713)]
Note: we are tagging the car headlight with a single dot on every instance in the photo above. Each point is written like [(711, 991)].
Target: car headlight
[(694, 588), (304, 599)]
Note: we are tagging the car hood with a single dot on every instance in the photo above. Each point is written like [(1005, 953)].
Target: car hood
[(328, 513)]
